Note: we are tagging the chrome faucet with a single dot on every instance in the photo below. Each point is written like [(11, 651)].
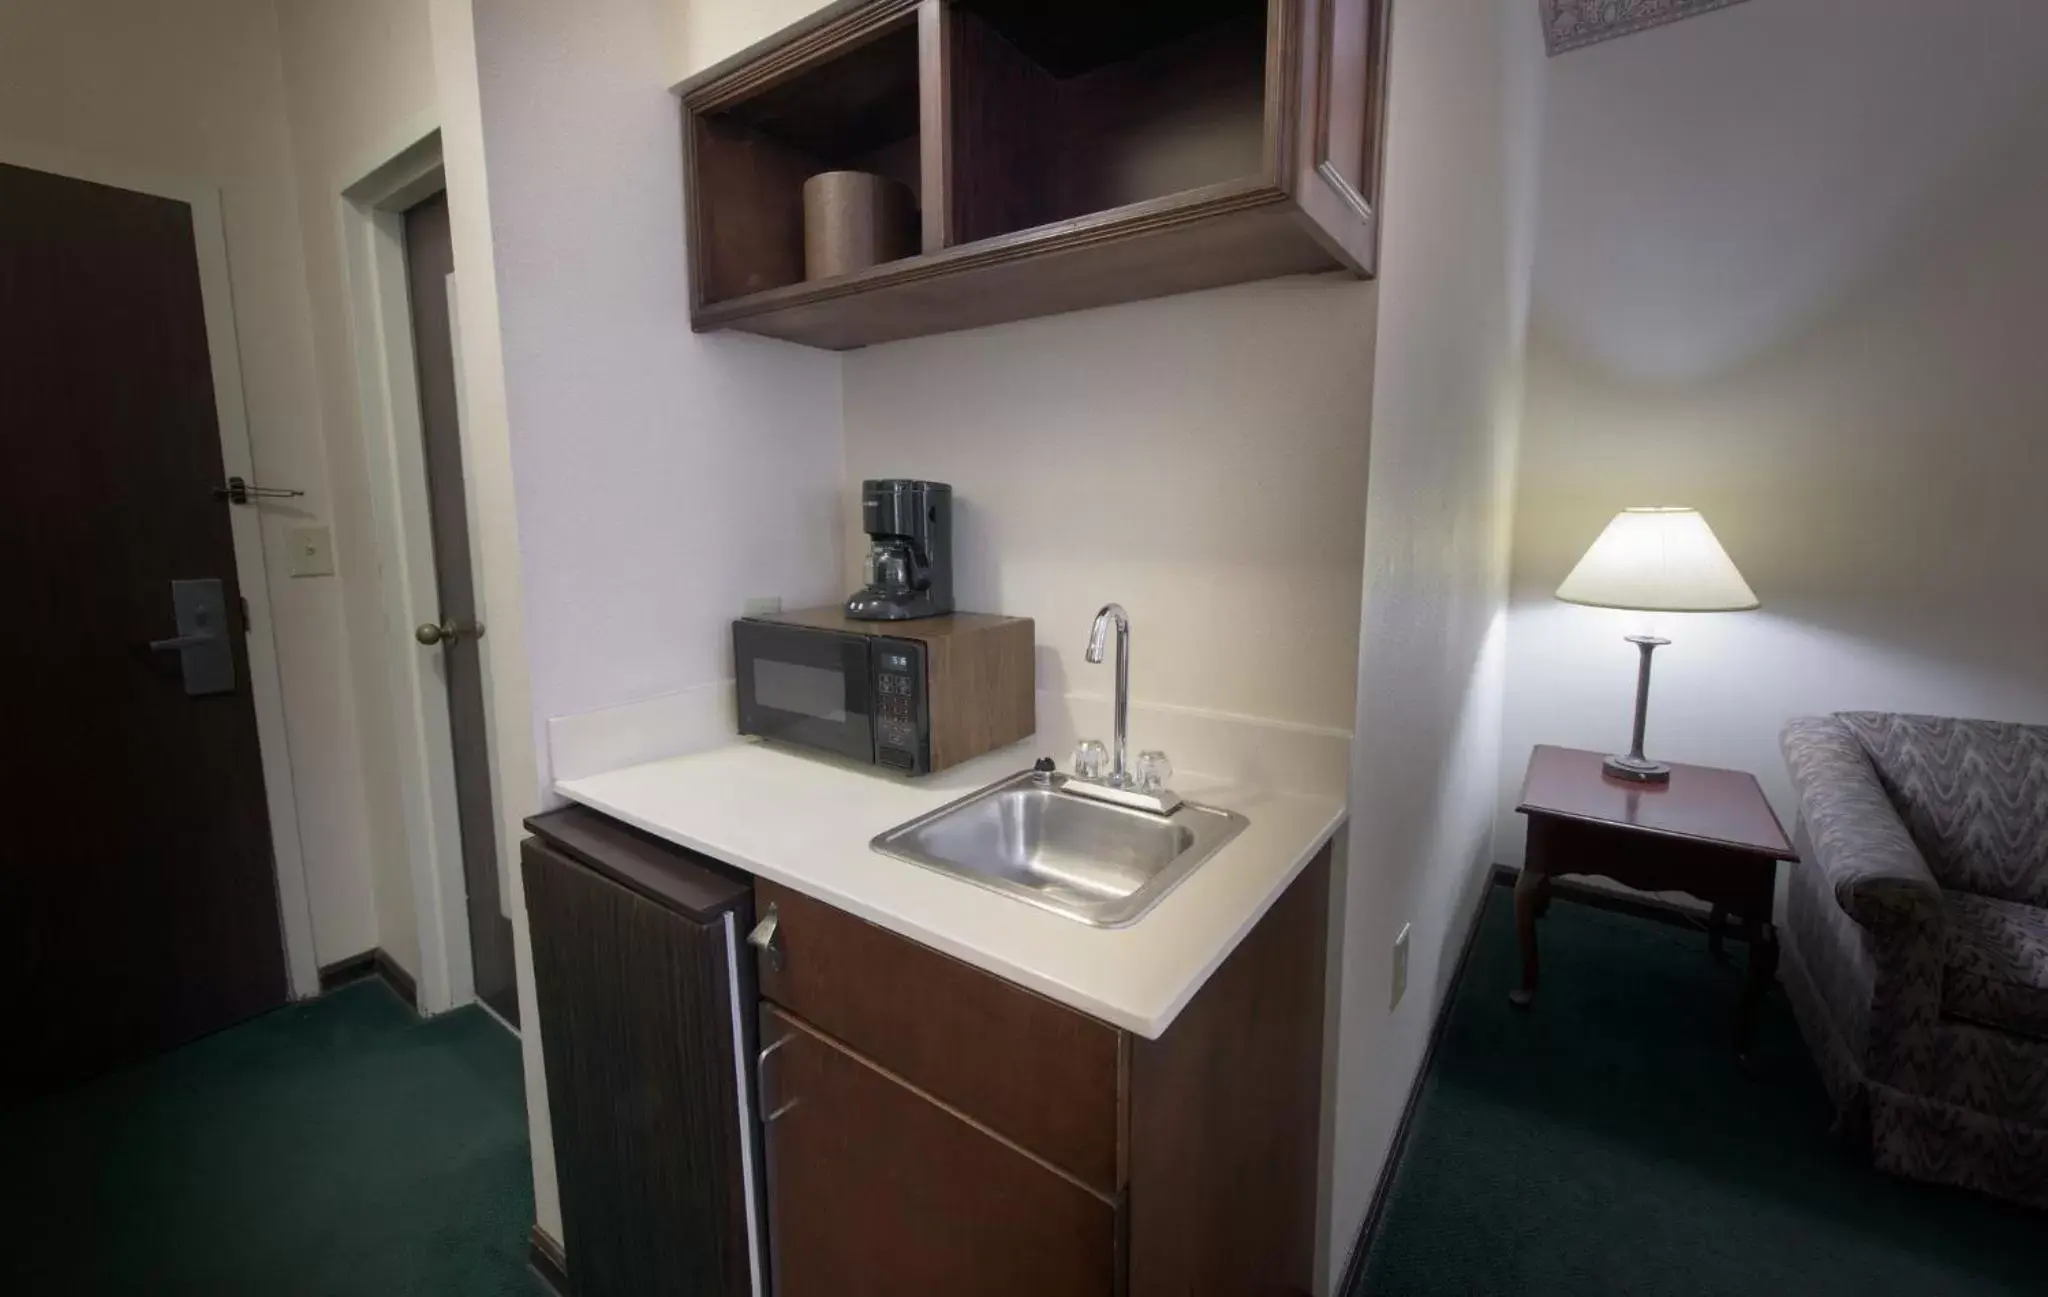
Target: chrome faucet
[(1119, 771), (1144, 789)]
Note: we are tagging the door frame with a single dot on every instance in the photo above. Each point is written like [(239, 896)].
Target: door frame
[(252, 570), (373, 202)]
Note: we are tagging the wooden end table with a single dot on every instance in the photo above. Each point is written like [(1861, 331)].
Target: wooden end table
[(1709, 833)]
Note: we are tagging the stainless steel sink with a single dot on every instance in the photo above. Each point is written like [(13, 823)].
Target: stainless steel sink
[(1088, 860)]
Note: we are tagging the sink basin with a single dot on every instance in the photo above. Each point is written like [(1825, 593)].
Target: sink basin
[(1088, 860)]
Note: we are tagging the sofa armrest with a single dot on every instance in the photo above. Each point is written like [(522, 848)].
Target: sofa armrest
[(1860, 844), (1861, 848)]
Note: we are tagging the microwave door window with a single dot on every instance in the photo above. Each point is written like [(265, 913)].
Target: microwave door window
[(799, 690), (805, 687)]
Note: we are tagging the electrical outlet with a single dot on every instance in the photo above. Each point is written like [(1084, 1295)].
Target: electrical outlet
[(763, 606), (1400, 968)]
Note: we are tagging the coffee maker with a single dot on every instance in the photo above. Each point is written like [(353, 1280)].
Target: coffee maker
[(910, 557)]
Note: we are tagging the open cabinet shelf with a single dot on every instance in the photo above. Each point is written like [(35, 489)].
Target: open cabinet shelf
[(1031, 146), (856, 109), (1063, 154)]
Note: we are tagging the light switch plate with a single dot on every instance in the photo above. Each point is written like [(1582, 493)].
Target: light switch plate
[(1400, 968), (312, 551)]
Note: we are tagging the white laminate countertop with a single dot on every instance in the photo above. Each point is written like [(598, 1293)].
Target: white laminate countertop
[(805, 822)]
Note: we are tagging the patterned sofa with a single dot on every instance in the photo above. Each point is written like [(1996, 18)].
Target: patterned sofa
[(1916, 940)]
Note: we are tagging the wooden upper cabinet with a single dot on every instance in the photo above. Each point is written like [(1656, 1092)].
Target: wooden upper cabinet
[(1063, 154)]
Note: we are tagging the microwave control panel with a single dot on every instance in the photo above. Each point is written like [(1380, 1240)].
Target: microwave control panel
[(900, 733)]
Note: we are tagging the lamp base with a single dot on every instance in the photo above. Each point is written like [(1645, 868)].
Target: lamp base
[(1637, 770)]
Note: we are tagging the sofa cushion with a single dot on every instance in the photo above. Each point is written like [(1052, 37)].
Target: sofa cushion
[(1997, 959), (1973, 794)]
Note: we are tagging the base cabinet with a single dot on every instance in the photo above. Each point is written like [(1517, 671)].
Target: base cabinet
[(848, 1113), (932, 1130), (879, 1190)]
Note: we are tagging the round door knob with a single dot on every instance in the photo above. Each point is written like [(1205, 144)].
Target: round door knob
[(449, 632)]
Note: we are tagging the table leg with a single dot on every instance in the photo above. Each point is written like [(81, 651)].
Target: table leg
[(1717, 923), (1530, 891), (1763, 971)]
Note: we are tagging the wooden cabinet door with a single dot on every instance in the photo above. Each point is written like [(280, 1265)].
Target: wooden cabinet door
[(1340, 140), (1035, 1072), (637, 1031), (877, 1190)]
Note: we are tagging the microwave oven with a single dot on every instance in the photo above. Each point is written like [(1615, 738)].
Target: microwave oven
[(909, 696)]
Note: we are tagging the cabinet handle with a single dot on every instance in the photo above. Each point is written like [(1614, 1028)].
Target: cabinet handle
[(764, 938), (761, 1069)]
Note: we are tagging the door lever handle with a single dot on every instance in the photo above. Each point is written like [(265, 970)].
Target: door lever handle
[(761, 1070), (179, 643), (206, 656)]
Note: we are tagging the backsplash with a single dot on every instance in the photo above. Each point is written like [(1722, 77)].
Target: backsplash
[(1204, 745)]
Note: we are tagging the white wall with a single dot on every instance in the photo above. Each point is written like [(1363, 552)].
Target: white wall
[(698, 33), (487, 445), (364, 82), (194, 93), (1790, 271), (661, 477), (359, 86), (1467, 86), (1200, 459)]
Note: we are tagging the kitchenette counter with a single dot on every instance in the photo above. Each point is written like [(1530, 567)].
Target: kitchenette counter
[(805, 822)]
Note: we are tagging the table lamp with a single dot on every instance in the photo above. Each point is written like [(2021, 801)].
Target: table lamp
[(1655, 560)]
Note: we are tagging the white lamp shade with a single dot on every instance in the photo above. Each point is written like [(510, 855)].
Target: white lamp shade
[(1658, 560)]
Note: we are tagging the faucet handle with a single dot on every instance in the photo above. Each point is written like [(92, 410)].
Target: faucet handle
[(1091, 759), (1154, 770)]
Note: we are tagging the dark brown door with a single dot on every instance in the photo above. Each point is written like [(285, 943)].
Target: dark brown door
[(430, 260), (875, 1190), (138, 901)]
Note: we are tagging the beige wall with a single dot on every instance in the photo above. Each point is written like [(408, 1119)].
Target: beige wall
[(194, 93), (1199, 459), (1467, 87), (1791, 272), (359, 85)]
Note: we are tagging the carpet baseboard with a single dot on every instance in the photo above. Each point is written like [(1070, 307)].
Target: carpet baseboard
[(371, 963), (1354, 1268), (548, 1260)]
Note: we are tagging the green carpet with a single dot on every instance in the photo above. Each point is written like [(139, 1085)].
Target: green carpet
[(1606, 1142), (332, 1148)]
